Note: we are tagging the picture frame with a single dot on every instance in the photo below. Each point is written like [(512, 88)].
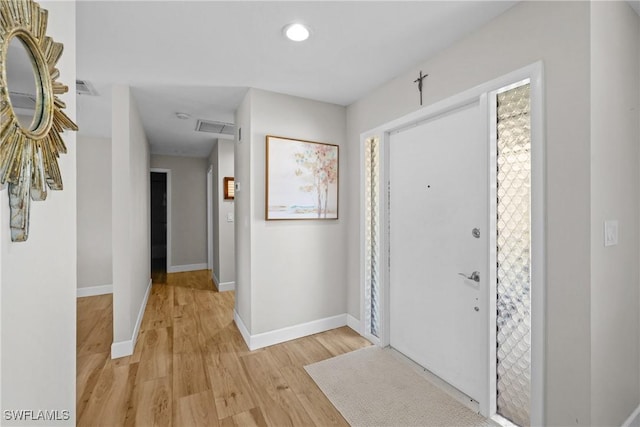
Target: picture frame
[(228, 185), (302, 179)]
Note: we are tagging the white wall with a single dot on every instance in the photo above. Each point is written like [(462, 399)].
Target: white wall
[(38, 277), (188, 209), (226, 244), (298, 268), (615, 195), (221, 160), (94, 212), (558, 34), (131, 216), (243, 208), (215, 232)]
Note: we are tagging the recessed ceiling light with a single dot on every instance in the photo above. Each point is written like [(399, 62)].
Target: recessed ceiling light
[(296, 32), (183, 116)]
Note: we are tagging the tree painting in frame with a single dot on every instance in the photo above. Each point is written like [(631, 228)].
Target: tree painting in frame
[(302, 179)]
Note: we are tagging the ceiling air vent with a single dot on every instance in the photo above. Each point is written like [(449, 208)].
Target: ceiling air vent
[(215, 127), (23, 100), (84, 87)]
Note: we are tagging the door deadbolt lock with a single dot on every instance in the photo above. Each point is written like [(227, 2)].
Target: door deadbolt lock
[(475, 276), (475, 233)]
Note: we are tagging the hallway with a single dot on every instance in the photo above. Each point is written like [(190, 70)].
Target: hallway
[(191, 366)]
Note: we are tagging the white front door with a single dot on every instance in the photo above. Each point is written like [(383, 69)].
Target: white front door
[(439, 229)]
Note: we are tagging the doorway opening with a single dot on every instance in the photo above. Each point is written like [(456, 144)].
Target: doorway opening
[(159, 224), (438, 241), (491, 223)]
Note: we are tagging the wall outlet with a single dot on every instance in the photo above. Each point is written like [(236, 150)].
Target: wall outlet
[(610, 233)]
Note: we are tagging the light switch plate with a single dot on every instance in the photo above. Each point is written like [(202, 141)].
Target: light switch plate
[(610, 233), (229, 216)]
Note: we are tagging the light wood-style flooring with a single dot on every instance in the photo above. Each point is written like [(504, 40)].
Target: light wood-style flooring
[(191, 366)]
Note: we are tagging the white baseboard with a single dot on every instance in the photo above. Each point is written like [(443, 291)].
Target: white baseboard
[(243, 329), (278, 336), (355, 324), (126, 348), (122, 349), (634, 419), (224, 286), (90, 291), (188, 267)]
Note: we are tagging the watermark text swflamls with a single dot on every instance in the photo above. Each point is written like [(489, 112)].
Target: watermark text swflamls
[(37, 415)]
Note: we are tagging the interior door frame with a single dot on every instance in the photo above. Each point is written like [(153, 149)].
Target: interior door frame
[(210, 219), (534, 74), (168, 173)]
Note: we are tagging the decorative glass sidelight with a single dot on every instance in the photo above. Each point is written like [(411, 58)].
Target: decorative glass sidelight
[(372, 234), (514, 255)]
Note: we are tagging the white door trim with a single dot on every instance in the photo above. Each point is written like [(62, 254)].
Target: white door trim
[(168, 173), (534, 73), (210, 218)]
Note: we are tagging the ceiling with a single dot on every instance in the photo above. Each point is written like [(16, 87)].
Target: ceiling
[(200, 57)]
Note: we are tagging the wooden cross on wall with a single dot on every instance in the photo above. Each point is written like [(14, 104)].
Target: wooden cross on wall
[(419, 81)]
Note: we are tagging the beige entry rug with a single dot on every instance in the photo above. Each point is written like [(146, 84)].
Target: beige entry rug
[(375, 387)]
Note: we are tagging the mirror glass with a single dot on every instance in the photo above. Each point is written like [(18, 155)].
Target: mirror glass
[(21, 81)]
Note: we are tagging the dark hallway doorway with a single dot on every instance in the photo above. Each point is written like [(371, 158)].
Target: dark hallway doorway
[(158, 224)]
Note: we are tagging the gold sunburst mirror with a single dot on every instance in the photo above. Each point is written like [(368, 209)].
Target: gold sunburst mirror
[(32, 116)]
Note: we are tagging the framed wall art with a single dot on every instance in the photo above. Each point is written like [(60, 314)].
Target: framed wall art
[(301, 178), (228, 185)]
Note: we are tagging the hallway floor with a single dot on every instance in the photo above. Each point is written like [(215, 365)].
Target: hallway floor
[(191, 366)]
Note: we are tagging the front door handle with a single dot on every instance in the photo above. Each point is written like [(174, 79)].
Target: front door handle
[(475, 276)]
